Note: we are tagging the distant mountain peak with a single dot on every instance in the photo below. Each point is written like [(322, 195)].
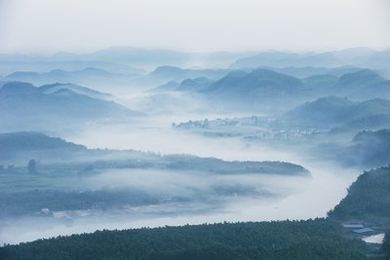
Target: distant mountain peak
[(355, 80), (331, 101), (18, 88), (166, 69), (25, 141), (263, 80)]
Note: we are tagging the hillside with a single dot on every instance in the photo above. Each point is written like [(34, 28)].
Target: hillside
[(283, 59), (259, 82), (52, 88), (189, 85), (371, 148), (368, 199), (359, 78), (172, 72), (273, 89), (25, 141), (27, 145), (312, 239), (196, 84), (360, 57), (336, 112), (362, 84), (367, 149), (89, 75), (258, 89), (24, 106)]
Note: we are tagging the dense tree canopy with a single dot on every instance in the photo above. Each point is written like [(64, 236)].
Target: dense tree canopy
[(312, 239), (368, 198)]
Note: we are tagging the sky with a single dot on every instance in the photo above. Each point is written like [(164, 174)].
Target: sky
[(40, 26)]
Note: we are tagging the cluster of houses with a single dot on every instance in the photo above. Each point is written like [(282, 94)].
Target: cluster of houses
[(359, 228)]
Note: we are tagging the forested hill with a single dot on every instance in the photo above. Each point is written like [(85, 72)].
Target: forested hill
[(386, 245), (368, 199), (312, 239)]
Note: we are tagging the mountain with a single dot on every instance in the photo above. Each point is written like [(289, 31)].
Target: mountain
[(361, 78), (25, 141), (254, 86), (123, 59), (163, 74), (368, 199), (179, 74), (52, 88), (272, 90), (321, 81), (24, 144), (88, 76), (190, 85), (336, 112), (196, 84), (370, 148), (127, 60), (379, 89), (52, 107), (307, 71), (363, 84), (360, 84), (260, 83), (168, 86), (359, 57), (367, 149), (286, 59)]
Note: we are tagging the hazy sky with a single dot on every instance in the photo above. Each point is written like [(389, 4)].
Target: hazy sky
[(85, 25)]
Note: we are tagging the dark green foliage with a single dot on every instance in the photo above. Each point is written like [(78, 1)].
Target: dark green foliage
[(27, 145), (312, 239), (368, 198), (32, 167), (210, 164), (33, 201), (386, 245)]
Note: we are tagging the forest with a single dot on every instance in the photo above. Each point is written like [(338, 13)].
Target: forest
[(311, 239), (368, 199)]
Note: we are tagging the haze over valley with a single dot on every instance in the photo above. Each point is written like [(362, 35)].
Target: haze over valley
[(206, 144)]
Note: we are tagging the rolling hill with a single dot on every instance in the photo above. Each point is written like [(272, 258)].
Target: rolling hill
[(87, 76), (368, 199), (336, 112), (24, 106)]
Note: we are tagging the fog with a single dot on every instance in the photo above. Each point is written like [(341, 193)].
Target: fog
[(204, 198), (220, 145), (297, 199)]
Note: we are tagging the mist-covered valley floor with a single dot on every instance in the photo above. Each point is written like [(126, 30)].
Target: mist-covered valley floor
[(251, 198), (96, 148)]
